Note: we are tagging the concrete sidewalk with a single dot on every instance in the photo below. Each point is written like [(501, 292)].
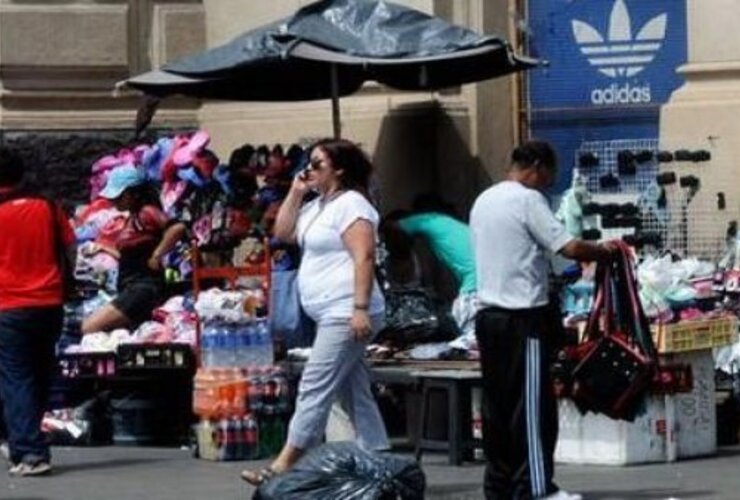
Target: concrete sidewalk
[(123, 473)]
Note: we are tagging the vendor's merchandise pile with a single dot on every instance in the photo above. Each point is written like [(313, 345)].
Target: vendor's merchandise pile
[(101, 354)]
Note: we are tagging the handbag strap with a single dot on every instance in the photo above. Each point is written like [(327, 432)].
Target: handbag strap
[(599, 309), (641, 325), (321, 206), (57, 235), (617, 304)]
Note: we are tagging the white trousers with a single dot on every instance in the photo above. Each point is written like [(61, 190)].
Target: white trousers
[(336, 369)]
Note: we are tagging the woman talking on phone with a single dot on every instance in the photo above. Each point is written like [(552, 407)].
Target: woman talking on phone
[(337, 234)]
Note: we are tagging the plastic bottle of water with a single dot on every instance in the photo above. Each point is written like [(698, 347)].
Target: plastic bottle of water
[(208, 341), (251, 350), (244, 348), (222, 345), (215, 344), (231, 344), (264, 343)]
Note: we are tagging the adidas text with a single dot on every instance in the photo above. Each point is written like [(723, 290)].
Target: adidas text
[(625, 94)]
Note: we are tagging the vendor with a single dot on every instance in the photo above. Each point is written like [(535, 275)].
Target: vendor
[(140, 287), (449, 240)]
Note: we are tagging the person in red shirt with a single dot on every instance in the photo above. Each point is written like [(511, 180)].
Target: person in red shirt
[(35, 237), (140, 285)]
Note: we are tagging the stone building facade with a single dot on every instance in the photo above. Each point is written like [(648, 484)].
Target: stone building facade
[(59, 62)]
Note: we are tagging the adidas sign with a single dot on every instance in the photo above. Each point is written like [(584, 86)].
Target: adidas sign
[(625, 94), (619, 53)]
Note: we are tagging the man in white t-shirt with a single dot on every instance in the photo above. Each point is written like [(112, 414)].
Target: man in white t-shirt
[(513, 232)]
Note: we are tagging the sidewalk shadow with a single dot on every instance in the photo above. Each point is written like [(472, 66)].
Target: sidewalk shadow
[(461, 491), (649, 494), (109, 464)]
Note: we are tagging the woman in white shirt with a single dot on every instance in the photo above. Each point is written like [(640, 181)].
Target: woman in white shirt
[(337, 233)]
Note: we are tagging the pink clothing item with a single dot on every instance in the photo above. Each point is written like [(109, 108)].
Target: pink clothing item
[(139, 152), (98, 205), (108, 235), (172, 193), (691, 314), (169, 167), (184, 155), (104, 165)]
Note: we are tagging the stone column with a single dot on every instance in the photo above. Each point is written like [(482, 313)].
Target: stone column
[(705, 114)]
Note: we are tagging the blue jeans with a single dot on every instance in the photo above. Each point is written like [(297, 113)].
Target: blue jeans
[(27, 363)]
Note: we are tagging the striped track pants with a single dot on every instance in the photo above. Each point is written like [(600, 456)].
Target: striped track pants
[(520, 422)]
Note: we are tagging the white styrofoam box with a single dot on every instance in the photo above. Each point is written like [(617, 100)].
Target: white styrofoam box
[(696, 412), (690, 421)]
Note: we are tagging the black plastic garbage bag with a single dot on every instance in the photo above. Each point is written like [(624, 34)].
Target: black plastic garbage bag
[(344, 471), (410, 318)]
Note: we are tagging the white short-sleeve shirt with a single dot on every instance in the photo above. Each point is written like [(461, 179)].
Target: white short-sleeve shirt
[(513, 230), (326, 276)]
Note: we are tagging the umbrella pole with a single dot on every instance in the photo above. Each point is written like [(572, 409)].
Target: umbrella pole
[(335, 116)]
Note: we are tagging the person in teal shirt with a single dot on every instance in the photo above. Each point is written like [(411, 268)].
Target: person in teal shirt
[(449, 240)]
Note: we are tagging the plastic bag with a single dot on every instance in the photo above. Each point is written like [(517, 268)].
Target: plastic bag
[(344, 471), (86, 425), (291, 324), (410, 318)]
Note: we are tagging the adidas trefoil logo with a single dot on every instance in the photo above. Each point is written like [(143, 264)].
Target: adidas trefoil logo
[(621, 54)]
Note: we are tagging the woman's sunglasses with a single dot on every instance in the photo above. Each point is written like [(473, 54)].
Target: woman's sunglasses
[(315, 164)]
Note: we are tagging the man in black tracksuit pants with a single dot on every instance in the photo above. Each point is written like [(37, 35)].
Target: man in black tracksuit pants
[(513, 230)]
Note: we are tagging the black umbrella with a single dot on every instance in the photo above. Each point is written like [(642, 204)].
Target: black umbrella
[(329, 49)]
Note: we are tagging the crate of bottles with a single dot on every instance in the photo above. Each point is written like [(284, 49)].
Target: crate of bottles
[(248, 437), (231, 403), (696, 335), (88, 365), (155, 357), (225, 439)]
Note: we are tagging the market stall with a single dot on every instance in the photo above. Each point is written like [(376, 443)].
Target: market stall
[(138, 371)]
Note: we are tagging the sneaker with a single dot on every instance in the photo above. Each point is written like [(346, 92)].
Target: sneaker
[(563, 495), (24, 469), (5, 450)]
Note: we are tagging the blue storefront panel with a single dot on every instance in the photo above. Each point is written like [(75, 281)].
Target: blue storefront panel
[(612, 63)]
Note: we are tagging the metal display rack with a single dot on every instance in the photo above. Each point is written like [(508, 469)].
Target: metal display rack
[(683, 216)]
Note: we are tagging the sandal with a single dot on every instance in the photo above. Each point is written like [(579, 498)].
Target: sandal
[(257, 478)]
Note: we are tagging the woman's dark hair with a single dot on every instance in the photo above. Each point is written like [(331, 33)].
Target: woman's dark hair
[(534, 154), (432, 202), (348, 157), (144, 194), (12, 168), (397, 242), (241, 157)]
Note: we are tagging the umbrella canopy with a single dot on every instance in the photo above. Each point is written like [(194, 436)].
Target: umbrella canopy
[(329, 49)]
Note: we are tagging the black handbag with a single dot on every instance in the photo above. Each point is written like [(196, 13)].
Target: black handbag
[(617, 362)]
